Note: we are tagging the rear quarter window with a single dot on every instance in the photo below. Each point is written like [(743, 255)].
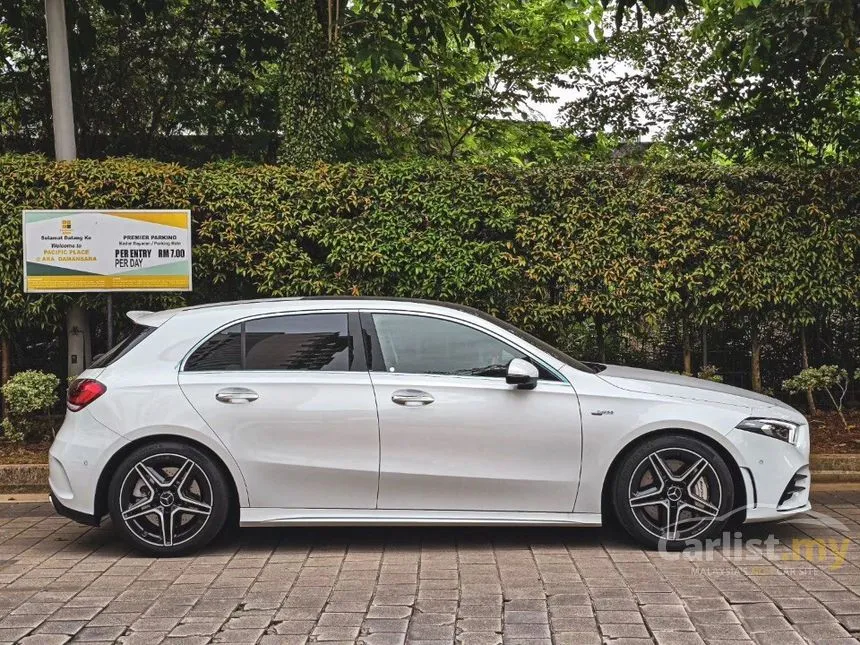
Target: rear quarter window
[(137, 334)]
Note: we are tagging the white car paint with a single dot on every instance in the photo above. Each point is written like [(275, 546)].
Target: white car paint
[(330, 447)]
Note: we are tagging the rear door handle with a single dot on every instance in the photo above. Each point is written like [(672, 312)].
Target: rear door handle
[(236, 395), (412, 398)]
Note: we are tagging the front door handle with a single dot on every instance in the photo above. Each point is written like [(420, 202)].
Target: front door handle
[(236, 395), (412, 398)]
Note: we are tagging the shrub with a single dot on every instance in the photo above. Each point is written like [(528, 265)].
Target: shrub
[(827, 378), (546, 248), (709, 373), (26, 394)]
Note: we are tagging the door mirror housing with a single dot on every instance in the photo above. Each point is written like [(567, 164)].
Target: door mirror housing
[(522, 374)]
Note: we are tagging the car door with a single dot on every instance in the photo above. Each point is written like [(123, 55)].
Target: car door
[(454, 435), (291, 398)]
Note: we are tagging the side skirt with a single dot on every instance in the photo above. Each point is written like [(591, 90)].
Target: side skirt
[(324, 517)]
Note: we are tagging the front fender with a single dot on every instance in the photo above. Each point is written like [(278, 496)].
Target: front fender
[(633, 417)]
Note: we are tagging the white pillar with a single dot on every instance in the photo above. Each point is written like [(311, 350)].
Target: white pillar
[(61, 83)]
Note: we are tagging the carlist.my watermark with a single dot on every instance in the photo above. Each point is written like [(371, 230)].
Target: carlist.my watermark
[(830, 550)]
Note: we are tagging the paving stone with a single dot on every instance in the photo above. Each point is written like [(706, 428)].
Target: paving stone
[(389, 611), (377, 625), (104, 633), (577, 638), (526, 617), (669, 624), (45, 639), (480, 638), (293, 627), (335, 633), (272, 639), (446, 586), (677, 638)]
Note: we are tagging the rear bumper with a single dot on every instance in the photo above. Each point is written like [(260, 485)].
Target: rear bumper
[(77, 459), (77, 516)]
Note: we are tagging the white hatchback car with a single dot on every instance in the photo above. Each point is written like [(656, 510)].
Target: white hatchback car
[(385, 411)]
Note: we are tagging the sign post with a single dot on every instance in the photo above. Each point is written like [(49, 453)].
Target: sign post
[(106, 251)]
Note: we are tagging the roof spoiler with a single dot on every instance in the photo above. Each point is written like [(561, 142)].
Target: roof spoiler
[(140, 318)]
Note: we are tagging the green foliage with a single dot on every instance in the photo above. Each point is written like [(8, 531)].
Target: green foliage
[(431, 77), (144, 70), (830, 379), (308, 80), (619, 246), (26, 394), (30, 391), (709, 373), (318, 79), (312, 90), (733, 80), (30, 181)]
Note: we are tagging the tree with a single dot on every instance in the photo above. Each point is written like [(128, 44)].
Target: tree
[(430, 77), (739, 81), (144, 70), (831, 379)]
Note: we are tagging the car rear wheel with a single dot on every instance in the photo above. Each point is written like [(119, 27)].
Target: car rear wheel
[(168, 498), (673, 491)]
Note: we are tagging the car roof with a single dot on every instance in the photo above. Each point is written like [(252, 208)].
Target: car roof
[(262, 305)]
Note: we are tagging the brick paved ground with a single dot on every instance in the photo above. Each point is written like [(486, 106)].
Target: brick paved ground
[(61, 581)]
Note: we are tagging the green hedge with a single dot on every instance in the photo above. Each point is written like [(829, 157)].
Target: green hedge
[(540, 246)]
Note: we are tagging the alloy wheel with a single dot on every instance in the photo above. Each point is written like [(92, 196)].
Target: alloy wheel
[(165, 499), (675, 494)]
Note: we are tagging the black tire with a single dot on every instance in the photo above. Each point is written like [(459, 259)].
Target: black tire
[(673, 492), (168, 499)]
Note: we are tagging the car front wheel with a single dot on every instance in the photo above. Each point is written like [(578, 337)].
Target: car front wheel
[(673, 491), (168, 498)]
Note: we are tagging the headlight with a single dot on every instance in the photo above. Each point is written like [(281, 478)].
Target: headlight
[(776, 428)]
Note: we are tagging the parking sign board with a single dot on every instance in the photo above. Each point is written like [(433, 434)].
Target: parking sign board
[(107, 250)]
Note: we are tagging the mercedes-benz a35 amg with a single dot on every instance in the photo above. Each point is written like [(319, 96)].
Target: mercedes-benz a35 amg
[(373, 411)]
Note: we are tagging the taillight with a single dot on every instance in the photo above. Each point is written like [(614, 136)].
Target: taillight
[(82, 392)]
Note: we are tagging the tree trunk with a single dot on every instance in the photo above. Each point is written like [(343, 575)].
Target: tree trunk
[(704, 346), (688, 350), (804, 359), (755, 346), (601, 338)]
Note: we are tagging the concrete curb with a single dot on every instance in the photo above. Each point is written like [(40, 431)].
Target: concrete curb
[(834, 462), (835, 468), (23, 478), (33, 478), (23, 474)]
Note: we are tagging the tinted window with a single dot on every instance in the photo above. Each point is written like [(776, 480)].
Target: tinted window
[(303, 342), (422, 345), (137, 334), (297, 342), (223, 351)]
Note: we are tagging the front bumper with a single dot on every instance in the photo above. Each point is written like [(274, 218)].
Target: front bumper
[(776, 475)]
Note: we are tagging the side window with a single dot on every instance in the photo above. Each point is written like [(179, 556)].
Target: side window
[(294, 342), (423, 345), (298, 342), (221, 352)]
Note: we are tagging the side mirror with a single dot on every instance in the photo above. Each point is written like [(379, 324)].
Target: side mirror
[(522, 374)]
